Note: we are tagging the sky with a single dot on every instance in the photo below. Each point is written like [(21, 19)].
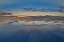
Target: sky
[(15, 5)]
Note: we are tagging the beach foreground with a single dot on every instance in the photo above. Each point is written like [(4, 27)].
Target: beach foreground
[(32, 33)]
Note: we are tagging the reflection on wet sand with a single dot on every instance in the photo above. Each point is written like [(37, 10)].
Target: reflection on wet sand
[(27, 32)]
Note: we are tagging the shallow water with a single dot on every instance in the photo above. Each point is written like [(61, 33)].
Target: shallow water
[(16, 32)]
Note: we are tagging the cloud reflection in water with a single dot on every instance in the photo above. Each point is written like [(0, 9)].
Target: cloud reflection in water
[(16, 32)]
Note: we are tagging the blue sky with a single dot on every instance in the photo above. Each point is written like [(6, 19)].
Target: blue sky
[(39, 4)]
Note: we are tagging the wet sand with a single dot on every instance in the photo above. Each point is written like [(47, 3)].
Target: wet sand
[(34, 33)]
